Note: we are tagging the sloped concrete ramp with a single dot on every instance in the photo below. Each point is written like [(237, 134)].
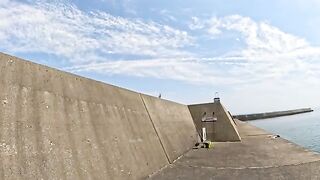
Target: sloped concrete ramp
[(55, 125)]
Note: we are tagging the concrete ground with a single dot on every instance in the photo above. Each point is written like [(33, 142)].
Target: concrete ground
[(259, 156)]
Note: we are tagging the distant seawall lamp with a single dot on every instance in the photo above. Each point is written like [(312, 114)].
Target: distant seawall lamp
[(216, 97)]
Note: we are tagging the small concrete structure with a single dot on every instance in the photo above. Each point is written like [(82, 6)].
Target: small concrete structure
[(216, 119)]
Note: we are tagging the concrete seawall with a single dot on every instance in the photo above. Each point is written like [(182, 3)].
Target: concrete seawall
[(248, 117), (55, 125)]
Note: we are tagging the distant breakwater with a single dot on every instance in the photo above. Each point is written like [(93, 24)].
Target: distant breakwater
[(249, 117)]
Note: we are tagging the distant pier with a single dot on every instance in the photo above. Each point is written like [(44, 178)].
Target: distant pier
[(249, 117)]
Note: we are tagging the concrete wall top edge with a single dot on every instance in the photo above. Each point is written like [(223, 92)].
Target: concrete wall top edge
[(166, 100), (77, 77), (201, 104), (60, 71)]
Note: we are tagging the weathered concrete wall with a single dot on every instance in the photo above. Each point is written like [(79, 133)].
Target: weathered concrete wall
[(224, 129), (174, 125), (248, 117), (55, 125)]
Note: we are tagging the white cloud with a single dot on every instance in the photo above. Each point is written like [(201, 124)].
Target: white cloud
[(196, 24), (80, 37), (188, 70), (90, 41), (167, 15), (261, 38), (281, 70), (270, 52)]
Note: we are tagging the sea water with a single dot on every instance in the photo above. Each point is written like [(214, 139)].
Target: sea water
[(302, 129)]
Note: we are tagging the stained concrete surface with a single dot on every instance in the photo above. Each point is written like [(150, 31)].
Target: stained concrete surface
[(56, 125), (258, 156)]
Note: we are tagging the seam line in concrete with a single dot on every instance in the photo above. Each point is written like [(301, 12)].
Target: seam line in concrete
[(250, 167), (154, 127)]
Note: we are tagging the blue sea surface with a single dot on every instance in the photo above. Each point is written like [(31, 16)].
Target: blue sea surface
[(302, 129)]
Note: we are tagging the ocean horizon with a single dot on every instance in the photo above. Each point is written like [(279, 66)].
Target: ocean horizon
[(302, 129)]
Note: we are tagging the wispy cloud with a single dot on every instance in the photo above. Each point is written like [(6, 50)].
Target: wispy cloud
[(167, 15), (270, 52), (192, 70), (100, 42), (80, 37)]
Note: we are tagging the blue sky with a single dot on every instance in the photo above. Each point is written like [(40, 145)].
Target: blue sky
[(259, 55)]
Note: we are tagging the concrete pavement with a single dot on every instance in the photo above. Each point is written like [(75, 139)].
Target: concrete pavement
[(258, 156)]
